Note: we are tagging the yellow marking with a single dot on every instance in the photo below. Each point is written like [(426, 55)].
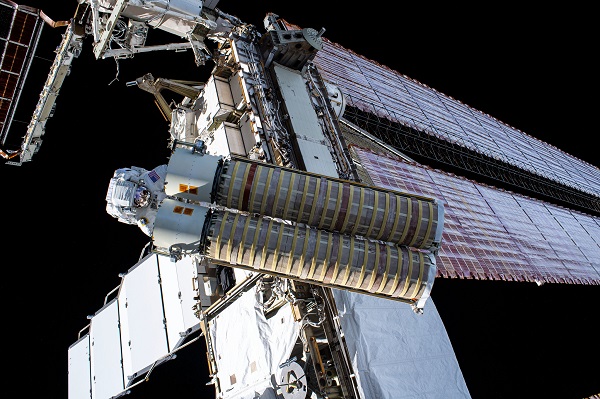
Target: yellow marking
[(276, 253), (349, 210), (416, 196), (277, 190), (374, 214), (388, 253), (243, 187), (303, 202), (178, 209), (360, 209), (243, 242), (225, 215), (327, 255), (188, 211), (313, 264), (385, 216), (326, 207), (266, 191), (255, 184), (337, 206), (289, 196), (263, 260), (429, 225), (375, 268), (337, 260), (230, 241), (408, 276), (399, 272), (255, 241), (408, 218), (318, 357), (396, 220), (364, 265), (420, 280), (347, 273), (288, 270), (419, 220), (312, 211), (231, 184), (301, 266)]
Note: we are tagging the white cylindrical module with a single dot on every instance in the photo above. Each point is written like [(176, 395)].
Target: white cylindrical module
[(180, 225), (191, 175)]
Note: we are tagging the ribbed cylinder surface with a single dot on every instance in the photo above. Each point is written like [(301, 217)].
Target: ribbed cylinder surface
[(330, 204), (318, 256)]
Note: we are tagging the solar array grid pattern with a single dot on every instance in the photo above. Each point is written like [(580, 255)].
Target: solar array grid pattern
[(495, 234), (379, 90), (16, 35)]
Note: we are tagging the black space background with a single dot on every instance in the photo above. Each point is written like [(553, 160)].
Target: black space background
[(61, 252)]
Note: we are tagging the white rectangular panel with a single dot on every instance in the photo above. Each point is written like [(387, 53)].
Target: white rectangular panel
[(309, 135), (317, 158), (142, 317), (189, 7), (237, 92), (107, 371), (234, 139), (217, 143), (219, 102), (79, 381), (247, 133), (179, 289), (298, 103)]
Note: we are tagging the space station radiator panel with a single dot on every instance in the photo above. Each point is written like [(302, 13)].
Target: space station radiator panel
[(150, 317)]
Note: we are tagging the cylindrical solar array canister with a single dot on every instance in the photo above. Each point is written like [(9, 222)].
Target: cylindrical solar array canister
[(330, 204), (327, 258)]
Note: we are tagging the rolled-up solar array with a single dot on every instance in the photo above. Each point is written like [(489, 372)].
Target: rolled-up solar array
[(325, 258), (300, 225), (330, 204)]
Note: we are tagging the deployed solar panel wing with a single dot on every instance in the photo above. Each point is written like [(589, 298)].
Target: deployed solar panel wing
[(422, 122), (20, 30), (495, 234)]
